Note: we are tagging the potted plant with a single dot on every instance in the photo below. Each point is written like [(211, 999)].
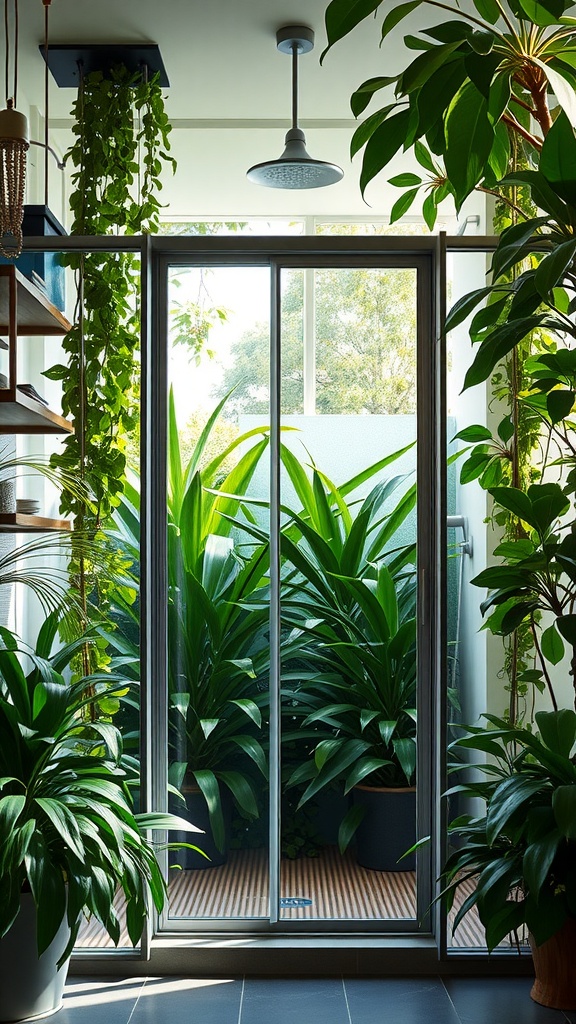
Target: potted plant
[(217, 639), (69, 836), (352, 662), (522, 850)]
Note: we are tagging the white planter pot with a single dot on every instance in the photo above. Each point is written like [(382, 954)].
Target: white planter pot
[(30, 986)]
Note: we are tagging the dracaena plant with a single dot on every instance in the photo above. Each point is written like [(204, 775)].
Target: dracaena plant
[(521, 849), (349, 633), (217, 641), (68, 830), (481, 79)]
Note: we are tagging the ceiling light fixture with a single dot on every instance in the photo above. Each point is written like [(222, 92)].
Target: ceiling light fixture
[(295, 168)]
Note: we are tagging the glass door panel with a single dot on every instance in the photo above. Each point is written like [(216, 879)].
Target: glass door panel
[(218, 587), (348, 594)]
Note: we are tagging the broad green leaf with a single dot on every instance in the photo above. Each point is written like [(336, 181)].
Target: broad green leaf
[(551, 272), (559, 405), (397, 14), (423, 157), (423, 67), (366, 130), (382, 145), (567, 627), (488, 9), (564, 806), (539, 14), (361, 98), (469, 140), (552, 645), (558, 730), (241, 790), (349, 825), (509, 800), (481, 68), (405, 180), (402, 205), (558, 158), (343, 15)]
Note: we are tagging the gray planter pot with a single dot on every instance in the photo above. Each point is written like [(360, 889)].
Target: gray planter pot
[(30, 986), (387, 829)]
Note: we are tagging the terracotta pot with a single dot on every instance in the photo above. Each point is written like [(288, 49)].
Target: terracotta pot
[(555, 983), (387, 829)]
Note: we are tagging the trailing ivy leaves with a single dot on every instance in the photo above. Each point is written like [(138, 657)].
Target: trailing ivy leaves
[(117, 118)]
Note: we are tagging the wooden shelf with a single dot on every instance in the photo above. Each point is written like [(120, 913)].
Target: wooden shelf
[(20, 414), (17, 522), (36, 314)]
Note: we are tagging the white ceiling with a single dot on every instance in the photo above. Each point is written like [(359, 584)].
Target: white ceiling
[(229, 96)]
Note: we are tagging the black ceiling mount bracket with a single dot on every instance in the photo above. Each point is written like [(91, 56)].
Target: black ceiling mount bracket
[(67, 61)]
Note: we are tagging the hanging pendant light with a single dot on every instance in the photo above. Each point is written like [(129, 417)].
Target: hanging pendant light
[(295, 168), (14, 144)]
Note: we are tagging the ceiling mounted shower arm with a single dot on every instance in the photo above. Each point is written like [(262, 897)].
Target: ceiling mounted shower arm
[(294, 84)]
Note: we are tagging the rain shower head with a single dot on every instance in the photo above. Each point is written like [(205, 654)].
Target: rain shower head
[(295, 168)]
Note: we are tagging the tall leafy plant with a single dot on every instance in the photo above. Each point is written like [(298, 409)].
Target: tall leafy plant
[(479, 78)]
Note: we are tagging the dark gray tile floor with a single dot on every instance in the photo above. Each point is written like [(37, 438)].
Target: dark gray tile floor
[(304, 1001)]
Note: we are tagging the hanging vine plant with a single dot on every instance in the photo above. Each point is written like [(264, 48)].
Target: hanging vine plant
[(121, 147)]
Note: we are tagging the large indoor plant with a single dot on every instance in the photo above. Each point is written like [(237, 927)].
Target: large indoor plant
[(217, 642), (350, 660), (69, 835), (522, 850)]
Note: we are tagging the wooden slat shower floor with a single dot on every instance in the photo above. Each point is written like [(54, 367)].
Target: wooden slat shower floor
[(339, 889)]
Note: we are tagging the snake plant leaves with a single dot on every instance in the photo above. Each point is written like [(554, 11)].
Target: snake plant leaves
[(469, 140)]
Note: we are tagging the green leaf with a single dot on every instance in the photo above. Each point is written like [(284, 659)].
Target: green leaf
[(558, 730), (423, 157), (539, 14), (566, 624), (488, 9), (397, 14), (402, 205), (469, 140), (343, 15), (564, 806), (405, 180), (361, 98), (552, 270), (349, 825), (559, 405), (366, 130), (552, 645), (508, 800), (383, 144), (558, 158)]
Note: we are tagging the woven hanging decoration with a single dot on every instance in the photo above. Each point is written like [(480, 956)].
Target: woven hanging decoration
[(13, 147)]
